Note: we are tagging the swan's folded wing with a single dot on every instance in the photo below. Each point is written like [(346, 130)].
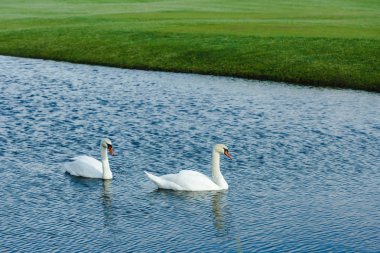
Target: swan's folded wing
[(195, 181), (84, 166), (87, 159), (164, 182), (185, 180)]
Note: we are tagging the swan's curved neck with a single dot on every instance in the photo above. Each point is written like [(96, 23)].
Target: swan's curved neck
[(107, 174), (217, 176)]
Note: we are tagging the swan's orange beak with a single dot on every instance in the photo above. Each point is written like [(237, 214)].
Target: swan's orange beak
[(111, 150), (226, 153)]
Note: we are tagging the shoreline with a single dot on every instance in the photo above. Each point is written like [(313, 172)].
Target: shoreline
[(301, 84)]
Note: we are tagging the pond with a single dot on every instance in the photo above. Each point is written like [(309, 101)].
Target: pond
[(304, 176)]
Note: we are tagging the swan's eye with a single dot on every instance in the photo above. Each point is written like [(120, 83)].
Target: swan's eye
[(109, 146)]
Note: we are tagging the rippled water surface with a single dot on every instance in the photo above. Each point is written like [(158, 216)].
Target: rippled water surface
[(305, 174)]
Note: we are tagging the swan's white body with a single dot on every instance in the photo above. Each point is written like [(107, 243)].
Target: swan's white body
[(86, 166), (189, 180)]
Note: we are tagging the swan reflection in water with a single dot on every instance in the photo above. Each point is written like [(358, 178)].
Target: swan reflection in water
[(107, 194), (222, 219), (217, 210), (104, 187), (217, 200), (106, 198)]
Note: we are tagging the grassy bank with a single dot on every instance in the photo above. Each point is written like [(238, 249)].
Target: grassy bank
[(325, 43)]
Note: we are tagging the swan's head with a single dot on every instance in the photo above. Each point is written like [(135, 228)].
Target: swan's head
[(222, 149), (106, 143)]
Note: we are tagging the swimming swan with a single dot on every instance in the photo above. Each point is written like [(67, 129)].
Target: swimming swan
[(86, 166), (189, 180)]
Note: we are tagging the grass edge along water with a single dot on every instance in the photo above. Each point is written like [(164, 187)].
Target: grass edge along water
[(333, 43)]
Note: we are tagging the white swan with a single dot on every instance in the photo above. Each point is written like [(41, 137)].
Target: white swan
[(86, 166), (189, 180)]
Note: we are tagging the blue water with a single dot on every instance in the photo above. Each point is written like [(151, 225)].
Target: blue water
[(305, 175)]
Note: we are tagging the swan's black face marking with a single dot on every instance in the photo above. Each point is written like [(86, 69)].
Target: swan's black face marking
[(109, 146), (226, 153)]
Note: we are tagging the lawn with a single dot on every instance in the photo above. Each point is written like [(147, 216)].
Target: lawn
[(314, 42)]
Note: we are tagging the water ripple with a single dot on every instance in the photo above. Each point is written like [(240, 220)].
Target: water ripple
[(304, 177)]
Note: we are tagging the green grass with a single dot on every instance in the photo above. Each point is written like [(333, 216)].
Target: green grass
[(324, 43)]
